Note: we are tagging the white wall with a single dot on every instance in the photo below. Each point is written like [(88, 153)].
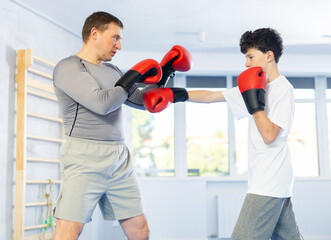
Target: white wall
[(311, 200), (186, 209), (234, 63), (176, 208), (20, 29)]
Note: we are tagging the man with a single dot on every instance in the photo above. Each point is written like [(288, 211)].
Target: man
[(96, 166), (266, 98)]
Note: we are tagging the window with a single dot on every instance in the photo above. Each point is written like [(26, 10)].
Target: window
[(328, 96), (152, 141), (207, 131), (241, 135), (303, 136), (207, 139), (213, 143)]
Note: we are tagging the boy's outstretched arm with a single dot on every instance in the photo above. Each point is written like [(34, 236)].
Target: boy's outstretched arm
[(205, 96)]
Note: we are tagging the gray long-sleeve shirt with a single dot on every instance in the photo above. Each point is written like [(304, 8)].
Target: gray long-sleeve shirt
[(89, 102)]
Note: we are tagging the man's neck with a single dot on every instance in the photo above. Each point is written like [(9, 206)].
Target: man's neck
[(88, 55)]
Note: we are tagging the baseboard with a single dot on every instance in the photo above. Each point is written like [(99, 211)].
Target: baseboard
[(317, 237), (180, 238)]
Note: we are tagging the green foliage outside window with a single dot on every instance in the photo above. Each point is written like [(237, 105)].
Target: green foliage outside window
[(210, 158), (154, 155)]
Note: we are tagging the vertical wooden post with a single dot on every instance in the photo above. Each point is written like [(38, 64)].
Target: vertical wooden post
[(24, 60)]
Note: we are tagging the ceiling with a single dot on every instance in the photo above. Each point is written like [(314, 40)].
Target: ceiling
[(211, 26)]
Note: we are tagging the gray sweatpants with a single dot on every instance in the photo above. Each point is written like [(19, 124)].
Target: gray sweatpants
[(264, 218)]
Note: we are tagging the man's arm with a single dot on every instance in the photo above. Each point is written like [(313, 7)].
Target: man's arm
[(136, 98), (72, 78), (268, 130), (78, 84)]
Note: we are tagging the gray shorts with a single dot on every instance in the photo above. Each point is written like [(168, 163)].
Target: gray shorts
[(97, 172), (265, 218)]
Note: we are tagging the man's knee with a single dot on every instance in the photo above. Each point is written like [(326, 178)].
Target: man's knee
[(136, 228), (67, 230), (145, 233), (142, 233)]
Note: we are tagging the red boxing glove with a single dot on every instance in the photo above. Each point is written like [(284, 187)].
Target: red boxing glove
[(150, 71), (158, 99), (147, 71), (252, 84), (177, 59)]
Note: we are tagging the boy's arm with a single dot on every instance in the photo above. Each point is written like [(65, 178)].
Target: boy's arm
[(156, 100), (205, 96), (268, 130), (252, 84)]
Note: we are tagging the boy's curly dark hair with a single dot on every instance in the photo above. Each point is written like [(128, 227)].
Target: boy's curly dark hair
[(263, 39)]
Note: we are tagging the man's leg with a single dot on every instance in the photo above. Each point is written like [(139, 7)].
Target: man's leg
[(135, 228), (67, 230)]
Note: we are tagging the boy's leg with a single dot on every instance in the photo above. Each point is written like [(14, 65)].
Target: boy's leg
[(258, 218), (286, 227)]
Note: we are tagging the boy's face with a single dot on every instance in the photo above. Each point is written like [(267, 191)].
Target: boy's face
[(255, 57)]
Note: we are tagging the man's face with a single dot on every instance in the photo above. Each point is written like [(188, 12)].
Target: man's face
[(108, 42), (255, 57)]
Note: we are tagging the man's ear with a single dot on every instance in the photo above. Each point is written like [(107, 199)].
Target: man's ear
[(94, 33), (270, 56)]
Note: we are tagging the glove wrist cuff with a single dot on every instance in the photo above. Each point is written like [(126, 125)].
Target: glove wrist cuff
[(180, 94)]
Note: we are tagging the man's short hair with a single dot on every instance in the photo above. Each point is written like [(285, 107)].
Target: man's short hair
[(263, 39), (99, 20)]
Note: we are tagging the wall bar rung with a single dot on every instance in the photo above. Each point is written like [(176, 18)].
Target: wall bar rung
[(41, 138), (35, 204), (40, 85), (38, 115), (47, 160), (42, 181), (32, 92), (36, 227), (43, 61), (40, 73)]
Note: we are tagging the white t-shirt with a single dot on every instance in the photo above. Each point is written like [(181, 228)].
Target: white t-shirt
[(270, 171)]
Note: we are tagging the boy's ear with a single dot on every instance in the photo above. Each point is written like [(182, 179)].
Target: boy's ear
[(270, 56)]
